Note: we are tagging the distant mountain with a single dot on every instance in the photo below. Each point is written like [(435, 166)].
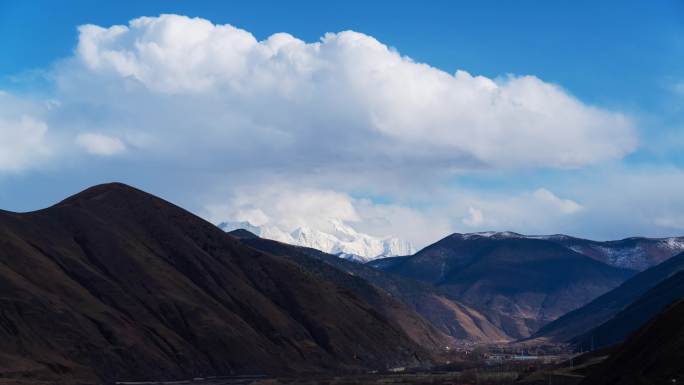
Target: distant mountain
[(605, 307), (337, 238), (459, 322), (635, 253), (654, 354), (530, 280), (115, 284)]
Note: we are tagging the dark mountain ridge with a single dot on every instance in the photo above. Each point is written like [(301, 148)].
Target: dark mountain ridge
[(414, 325), (606, 306), (456, 322), (116, 284)]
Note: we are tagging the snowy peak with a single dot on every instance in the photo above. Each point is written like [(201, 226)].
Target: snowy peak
[(304, 236), (338, 238)]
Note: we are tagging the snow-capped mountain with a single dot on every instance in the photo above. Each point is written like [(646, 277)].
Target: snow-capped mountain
[(338, 238), (636, 253)]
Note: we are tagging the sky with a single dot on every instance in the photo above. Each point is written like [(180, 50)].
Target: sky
[(400, 118)]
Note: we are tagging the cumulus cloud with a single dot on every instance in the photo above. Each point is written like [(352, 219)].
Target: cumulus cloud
[(538, 211), (23, 136), (300, 130), (285, 206), (99, 144), (344, 99), (566, 206)]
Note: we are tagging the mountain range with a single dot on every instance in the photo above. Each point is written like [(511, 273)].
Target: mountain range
[(337, 238), (512, 284), (527, 281), (503, 258), (457, 322), (114, 284)]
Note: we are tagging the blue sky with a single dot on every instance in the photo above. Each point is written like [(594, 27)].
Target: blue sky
[(619, 57), (622, 53)]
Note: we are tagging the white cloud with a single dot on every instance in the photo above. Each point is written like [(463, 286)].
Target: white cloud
[(566, 206), (289, 206), (637, 200), (529, 212), (475, 218), (23, 137), (670, 222), (243, 213), (605, 203), (285, 206), (297, 130), (99, 144), (419, 226), (344, 100)]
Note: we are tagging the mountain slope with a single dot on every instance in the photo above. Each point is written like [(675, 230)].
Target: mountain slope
[(117, 284), (652, 355), (635, 315), (420, 330), (336, 238), (449, 317), (528, 281), (603, 308)]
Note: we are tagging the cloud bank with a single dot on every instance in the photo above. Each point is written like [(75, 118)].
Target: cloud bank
[(327, 123), (347, 95)]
